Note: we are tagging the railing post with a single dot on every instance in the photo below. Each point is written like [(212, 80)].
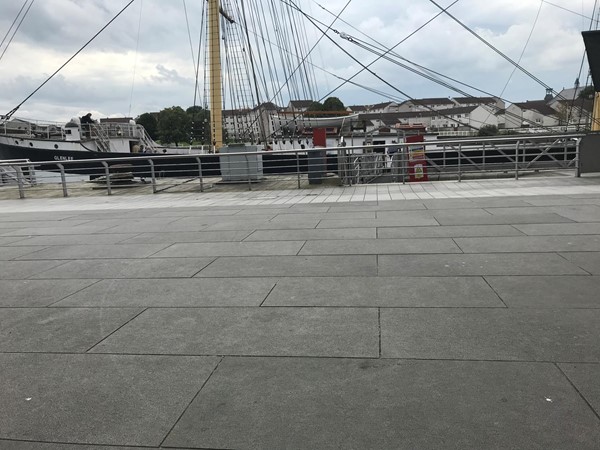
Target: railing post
[(483, 156), (63, 180), (152, 175), (577, 158), (248, 172), (403, 163), (20, 182), (517, 160), (200, 177), (107, 176), (298, 168), (459, 163)]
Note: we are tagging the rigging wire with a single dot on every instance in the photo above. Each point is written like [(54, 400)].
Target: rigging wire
[(512, 74), (16, 108), (391, 49), (16, 29), (137, 46), (495, 49), (13, 23), (356, 60)]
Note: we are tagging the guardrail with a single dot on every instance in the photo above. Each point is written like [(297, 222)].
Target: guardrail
[(403, 162)]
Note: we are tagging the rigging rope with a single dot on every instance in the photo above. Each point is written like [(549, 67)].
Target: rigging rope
[(16, 29), (16, 108), (137, 46), (495, 49)]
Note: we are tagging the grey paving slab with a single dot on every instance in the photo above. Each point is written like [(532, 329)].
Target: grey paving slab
[(329, 216), (263, 225), (155, 227), (7, 240), (99, 399), (312, 234), (333, 332), (379, 246), (24, 445), (579, 213), (292, 266), (43, 224), (566, 335), (455, 212), (189, 236), (588, 261), (190, 212), (200, 222), (114, 251), (477, 264), (42, 216), (410, 220), (8, 253), (74, 239), (514, 244), (503, 219), (555, 229), (194, 249), (499, 202), (548, 292), (275, 403), (447, 231), (123, 268), (197, 292), (135, 224), (58, 329), (585, 378), (405, 205), (393, 292), (561, 200), (32, 293), (83, 229), (21, 270)]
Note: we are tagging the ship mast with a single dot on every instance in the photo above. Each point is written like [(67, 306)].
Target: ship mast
[(214, 57)]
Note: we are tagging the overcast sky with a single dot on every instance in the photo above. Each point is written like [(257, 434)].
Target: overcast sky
[(119, 74)]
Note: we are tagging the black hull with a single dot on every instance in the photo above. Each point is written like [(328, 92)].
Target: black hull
[(138, 164)]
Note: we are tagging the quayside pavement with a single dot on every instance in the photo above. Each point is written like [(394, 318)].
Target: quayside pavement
[(439, 315)]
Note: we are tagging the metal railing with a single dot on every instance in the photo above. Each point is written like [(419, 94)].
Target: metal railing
[(300, 168)]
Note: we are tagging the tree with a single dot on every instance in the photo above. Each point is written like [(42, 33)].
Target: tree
[(149, 122), (587, 92), (173, 125), (315, 107), (333, 104), (488, 130), (199, 124)]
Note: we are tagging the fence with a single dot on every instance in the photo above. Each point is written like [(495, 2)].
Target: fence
[(253, 169)]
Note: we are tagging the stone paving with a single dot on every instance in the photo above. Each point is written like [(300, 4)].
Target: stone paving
[(344, 319)]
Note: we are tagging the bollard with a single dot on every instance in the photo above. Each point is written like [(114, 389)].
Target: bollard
[(107, 175), (63, 180)]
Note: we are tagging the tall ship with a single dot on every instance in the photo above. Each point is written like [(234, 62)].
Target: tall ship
[(254, 70)]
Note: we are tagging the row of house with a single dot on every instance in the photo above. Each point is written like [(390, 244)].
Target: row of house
[(442, 115)]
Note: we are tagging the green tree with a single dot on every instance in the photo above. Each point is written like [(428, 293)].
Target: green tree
[(333, 104), (488, 130), (315, 107), (199, 124), (149, 122), (173, 125), (587, 92)]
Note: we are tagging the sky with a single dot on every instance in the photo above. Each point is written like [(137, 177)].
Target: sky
[(142, 62)]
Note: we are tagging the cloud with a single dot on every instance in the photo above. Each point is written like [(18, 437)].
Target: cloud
[(146, 52)]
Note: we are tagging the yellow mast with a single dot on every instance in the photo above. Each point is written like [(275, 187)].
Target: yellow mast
[(214, 58), (596, 112)]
